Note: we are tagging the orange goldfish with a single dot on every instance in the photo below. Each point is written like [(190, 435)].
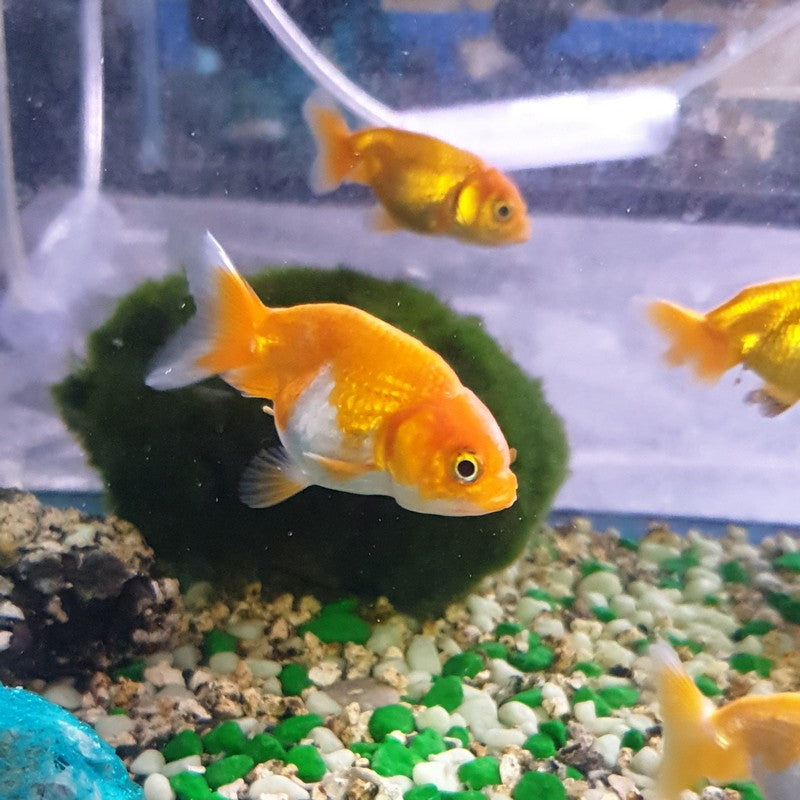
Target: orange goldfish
[(759, 328), (423, 184), (752, 738), (359, 406)]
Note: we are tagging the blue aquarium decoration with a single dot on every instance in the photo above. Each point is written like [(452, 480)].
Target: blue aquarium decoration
[(48, 754)]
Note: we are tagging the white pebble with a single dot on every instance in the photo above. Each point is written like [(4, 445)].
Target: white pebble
[(656, 552), (510, 769), (422, 655), (339, 760), (455, 757), (441, 775), (582, 645), (646, 761), (556, 698), (516, 714), (247, 629), (608, 747), (608, 653), (387, 634), (502, 672), (173, 690), (485, 613), (147, 762), (63, 695), (186, 657), (248, 725), (232, 791), (529, 608), (399, 782), (277, 784), (618, 626), (750, 644), (272, 686), (603, 582), (263, 667), (389, 666), (480, 713), (550, 627), (185, 764), (325, 673), (594, 599), (163, 675), (110, 726), (434, 717), (156, 787), (498, 738), (623, 605), (325, 739), (322, 704), (223, 663), (585, 712), (699, 588), (419, 683), (5, 640)]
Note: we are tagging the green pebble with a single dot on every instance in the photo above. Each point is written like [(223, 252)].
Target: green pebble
[(680, 564), (218, 642), (747, 790), (556, 730), (480, 772), (591, 669), (508, 629), (133, 672), (337, 622), (628, 544), (755, 627), (670, 583), (747, 662), (603, 613), (264, 747), (116, 710), (191, 786), (365, 749), (640, 646), (790, 561), (734, 572), (465, 665), (707, 686), (693, 645), (293, 729), (425, 791), (711, 600), (227, 738), (575, 773), (531, 697), (309, 763), (446, 692), (390, 718), (392, 758), (634, 739), (535, 659), (294, 678), (426, 743), (619, 696), (788, 608), (469, 794), (601, 707), (539, 786), (590, 567), (540, 745), (227, 770), (492, 649), (459, 732), (185, 743)]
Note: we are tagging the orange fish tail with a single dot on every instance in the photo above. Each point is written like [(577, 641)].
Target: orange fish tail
[(689, 746), (336, 159), (693, 339), (221, 338)]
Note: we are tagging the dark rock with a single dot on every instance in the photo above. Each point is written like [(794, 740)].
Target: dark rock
[(75, 592)]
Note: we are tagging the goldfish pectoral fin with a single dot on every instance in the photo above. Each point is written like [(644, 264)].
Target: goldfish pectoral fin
[(769, 401), (382, 220), (341, 470), (270, 478)]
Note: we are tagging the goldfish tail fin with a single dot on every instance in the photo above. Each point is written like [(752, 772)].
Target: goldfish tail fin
[(688, 737), (693, 339), (218, 338), (335, 159)]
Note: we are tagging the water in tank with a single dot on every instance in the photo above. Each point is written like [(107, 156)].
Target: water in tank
[(398, 398)]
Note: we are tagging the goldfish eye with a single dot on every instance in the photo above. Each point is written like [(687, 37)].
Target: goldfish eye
[(466, 467), (502, 211)]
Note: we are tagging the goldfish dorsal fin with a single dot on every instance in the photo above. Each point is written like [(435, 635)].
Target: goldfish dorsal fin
[(270, 478)]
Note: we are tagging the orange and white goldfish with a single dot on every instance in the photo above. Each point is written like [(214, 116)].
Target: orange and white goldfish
[(423, 184), (759, 328), (359, 406), (752, 738)]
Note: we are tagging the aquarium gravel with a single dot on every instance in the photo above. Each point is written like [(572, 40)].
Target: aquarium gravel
[(534, 687)]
